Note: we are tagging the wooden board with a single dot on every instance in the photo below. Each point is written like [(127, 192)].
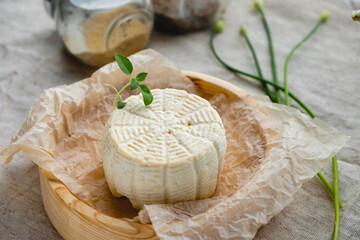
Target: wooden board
[(75, 219)]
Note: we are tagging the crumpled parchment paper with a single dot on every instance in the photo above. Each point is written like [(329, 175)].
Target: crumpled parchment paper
[(272, 150)]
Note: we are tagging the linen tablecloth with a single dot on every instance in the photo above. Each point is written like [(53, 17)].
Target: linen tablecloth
[(324, 73)]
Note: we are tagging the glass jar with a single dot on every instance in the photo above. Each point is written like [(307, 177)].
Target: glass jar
[(186, 15), (93, 30)]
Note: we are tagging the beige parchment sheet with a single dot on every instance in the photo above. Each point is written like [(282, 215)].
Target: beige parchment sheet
[(272, 150)]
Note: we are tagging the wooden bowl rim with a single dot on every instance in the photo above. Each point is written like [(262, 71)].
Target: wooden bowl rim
[(86, 210)]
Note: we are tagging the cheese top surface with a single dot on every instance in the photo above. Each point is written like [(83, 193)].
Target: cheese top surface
[(170, 151), (175, 128)]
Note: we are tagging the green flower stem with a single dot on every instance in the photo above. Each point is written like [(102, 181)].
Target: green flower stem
[(255, 77), (267, 90), (213, 34), (336, 200), (334, 191), (328, 186), (318, 24), (272, 53), (118, 94)]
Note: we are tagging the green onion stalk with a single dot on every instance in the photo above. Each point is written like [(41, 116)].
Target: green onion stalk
[(258, 4), (323, 17), (336, 200), (334, 191), (243, 32), (213, 34)]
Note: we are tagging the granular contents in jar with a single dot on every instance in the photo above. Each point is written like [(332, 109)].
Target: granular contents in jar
[(105, 35), (184, 15)]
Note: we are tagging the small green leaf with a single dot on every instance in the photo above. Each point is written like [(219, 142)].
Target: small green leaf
[(121, 104), (124, 64), (147, 96), (141, 76), (134, 84)]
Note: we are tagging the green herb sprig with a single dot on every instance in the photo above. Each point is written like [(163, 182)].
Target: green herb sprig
[(334, 191), (243, 32), (262, 80), (323, 17), (259, 6), (126, 67)]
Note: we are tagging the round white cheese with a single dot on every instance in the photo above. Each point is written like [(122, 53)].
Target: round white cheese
[(170, 151)]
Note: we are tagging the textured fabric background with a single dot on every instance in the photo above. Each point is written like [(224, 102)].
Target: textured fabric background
[(324, 73)]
